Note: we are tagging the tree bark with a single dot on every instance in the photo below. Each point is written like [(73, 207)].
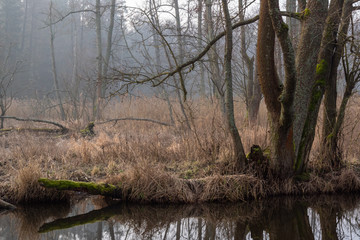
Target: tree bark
[(239, 153), (200, 46), (306, 58), (326, 63), (53, 62), (253, 93), (99, 81), (108, 45), (278, 98), (218, 90), (333, 120)]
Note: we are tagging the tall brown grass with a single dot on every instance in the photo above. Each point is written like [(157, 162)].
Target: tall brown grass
[(146, 152)]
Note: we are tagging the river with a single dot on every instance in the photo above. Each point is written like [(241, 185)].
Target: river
[(288, 218)]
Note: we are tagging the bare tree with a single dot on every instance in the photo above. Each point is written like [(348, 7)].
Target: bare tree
[(53, 61), (252, 89), (7, 79)]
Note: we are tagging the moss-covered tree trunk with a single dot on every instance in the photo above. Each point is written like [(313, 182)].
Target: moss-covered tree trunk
[(333, 120), (324, 80), (312, 26)]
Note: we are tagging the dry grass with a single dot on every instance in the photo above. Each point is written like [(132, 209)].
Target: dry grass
[(140, 152)]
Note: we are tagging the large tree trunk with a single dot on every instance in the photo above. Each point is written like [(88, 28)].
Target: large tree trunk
[(278, 98), (326, 63), (333, 121), (307, 53)]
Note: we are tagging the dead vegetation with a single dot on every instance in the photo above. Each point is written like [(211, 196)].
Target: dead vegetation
[(155, 161)]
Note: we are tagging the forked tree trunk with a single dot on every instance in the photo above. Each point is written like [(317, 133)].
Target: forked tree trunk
[(332, 120), (328, 60), (278, 98)]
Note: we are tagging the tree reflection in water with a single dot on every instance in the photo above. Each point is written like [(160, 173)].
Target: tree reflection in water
[(324, 217)]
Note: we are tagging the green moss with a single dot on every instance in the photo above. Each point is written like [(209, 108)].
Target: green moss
[(321, 67), (316, 96), (188, 174), (94, 188), (306, 13), (267, 153), (284, 27), (89, 130), (320, 82), (303, 177), (331, 135)]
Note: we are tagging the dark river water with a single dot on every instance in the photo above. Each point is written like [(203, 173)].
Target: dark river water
[(317, 217)]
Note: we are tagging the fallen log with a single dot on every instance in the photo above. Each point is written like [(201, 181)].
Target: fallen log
[(88, 187), (135, 119), (6, 205), (166, 188), (62, 128)]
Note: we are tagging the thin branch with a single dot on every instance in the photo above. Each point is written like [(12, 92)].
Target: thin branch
[(68, 14), (192, 61), (135, 119), (167, 74)]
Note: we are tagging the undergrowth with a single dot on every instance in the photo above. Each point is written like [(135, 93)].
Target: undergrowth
[(166, 158)]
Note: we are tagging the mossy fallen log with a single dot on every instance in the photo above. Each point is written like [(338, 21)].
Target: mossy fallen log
[(6, 205), (103, 189), (166, 188)]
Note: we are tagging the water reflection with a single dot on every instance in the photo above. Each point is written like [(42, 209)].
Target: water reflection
[(323, 217)]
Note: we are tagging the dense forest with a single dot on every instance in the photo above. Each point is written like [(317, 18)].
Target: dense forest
[(249, 91)]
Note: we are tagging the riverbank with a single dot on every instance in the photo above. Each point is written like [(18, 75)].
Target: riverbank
[(157, 162), (152, 185)]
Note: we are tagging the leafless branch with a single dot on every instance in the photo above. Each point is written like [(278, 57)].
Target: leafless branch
[(63, 129), (191, 62), (135, 119)]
